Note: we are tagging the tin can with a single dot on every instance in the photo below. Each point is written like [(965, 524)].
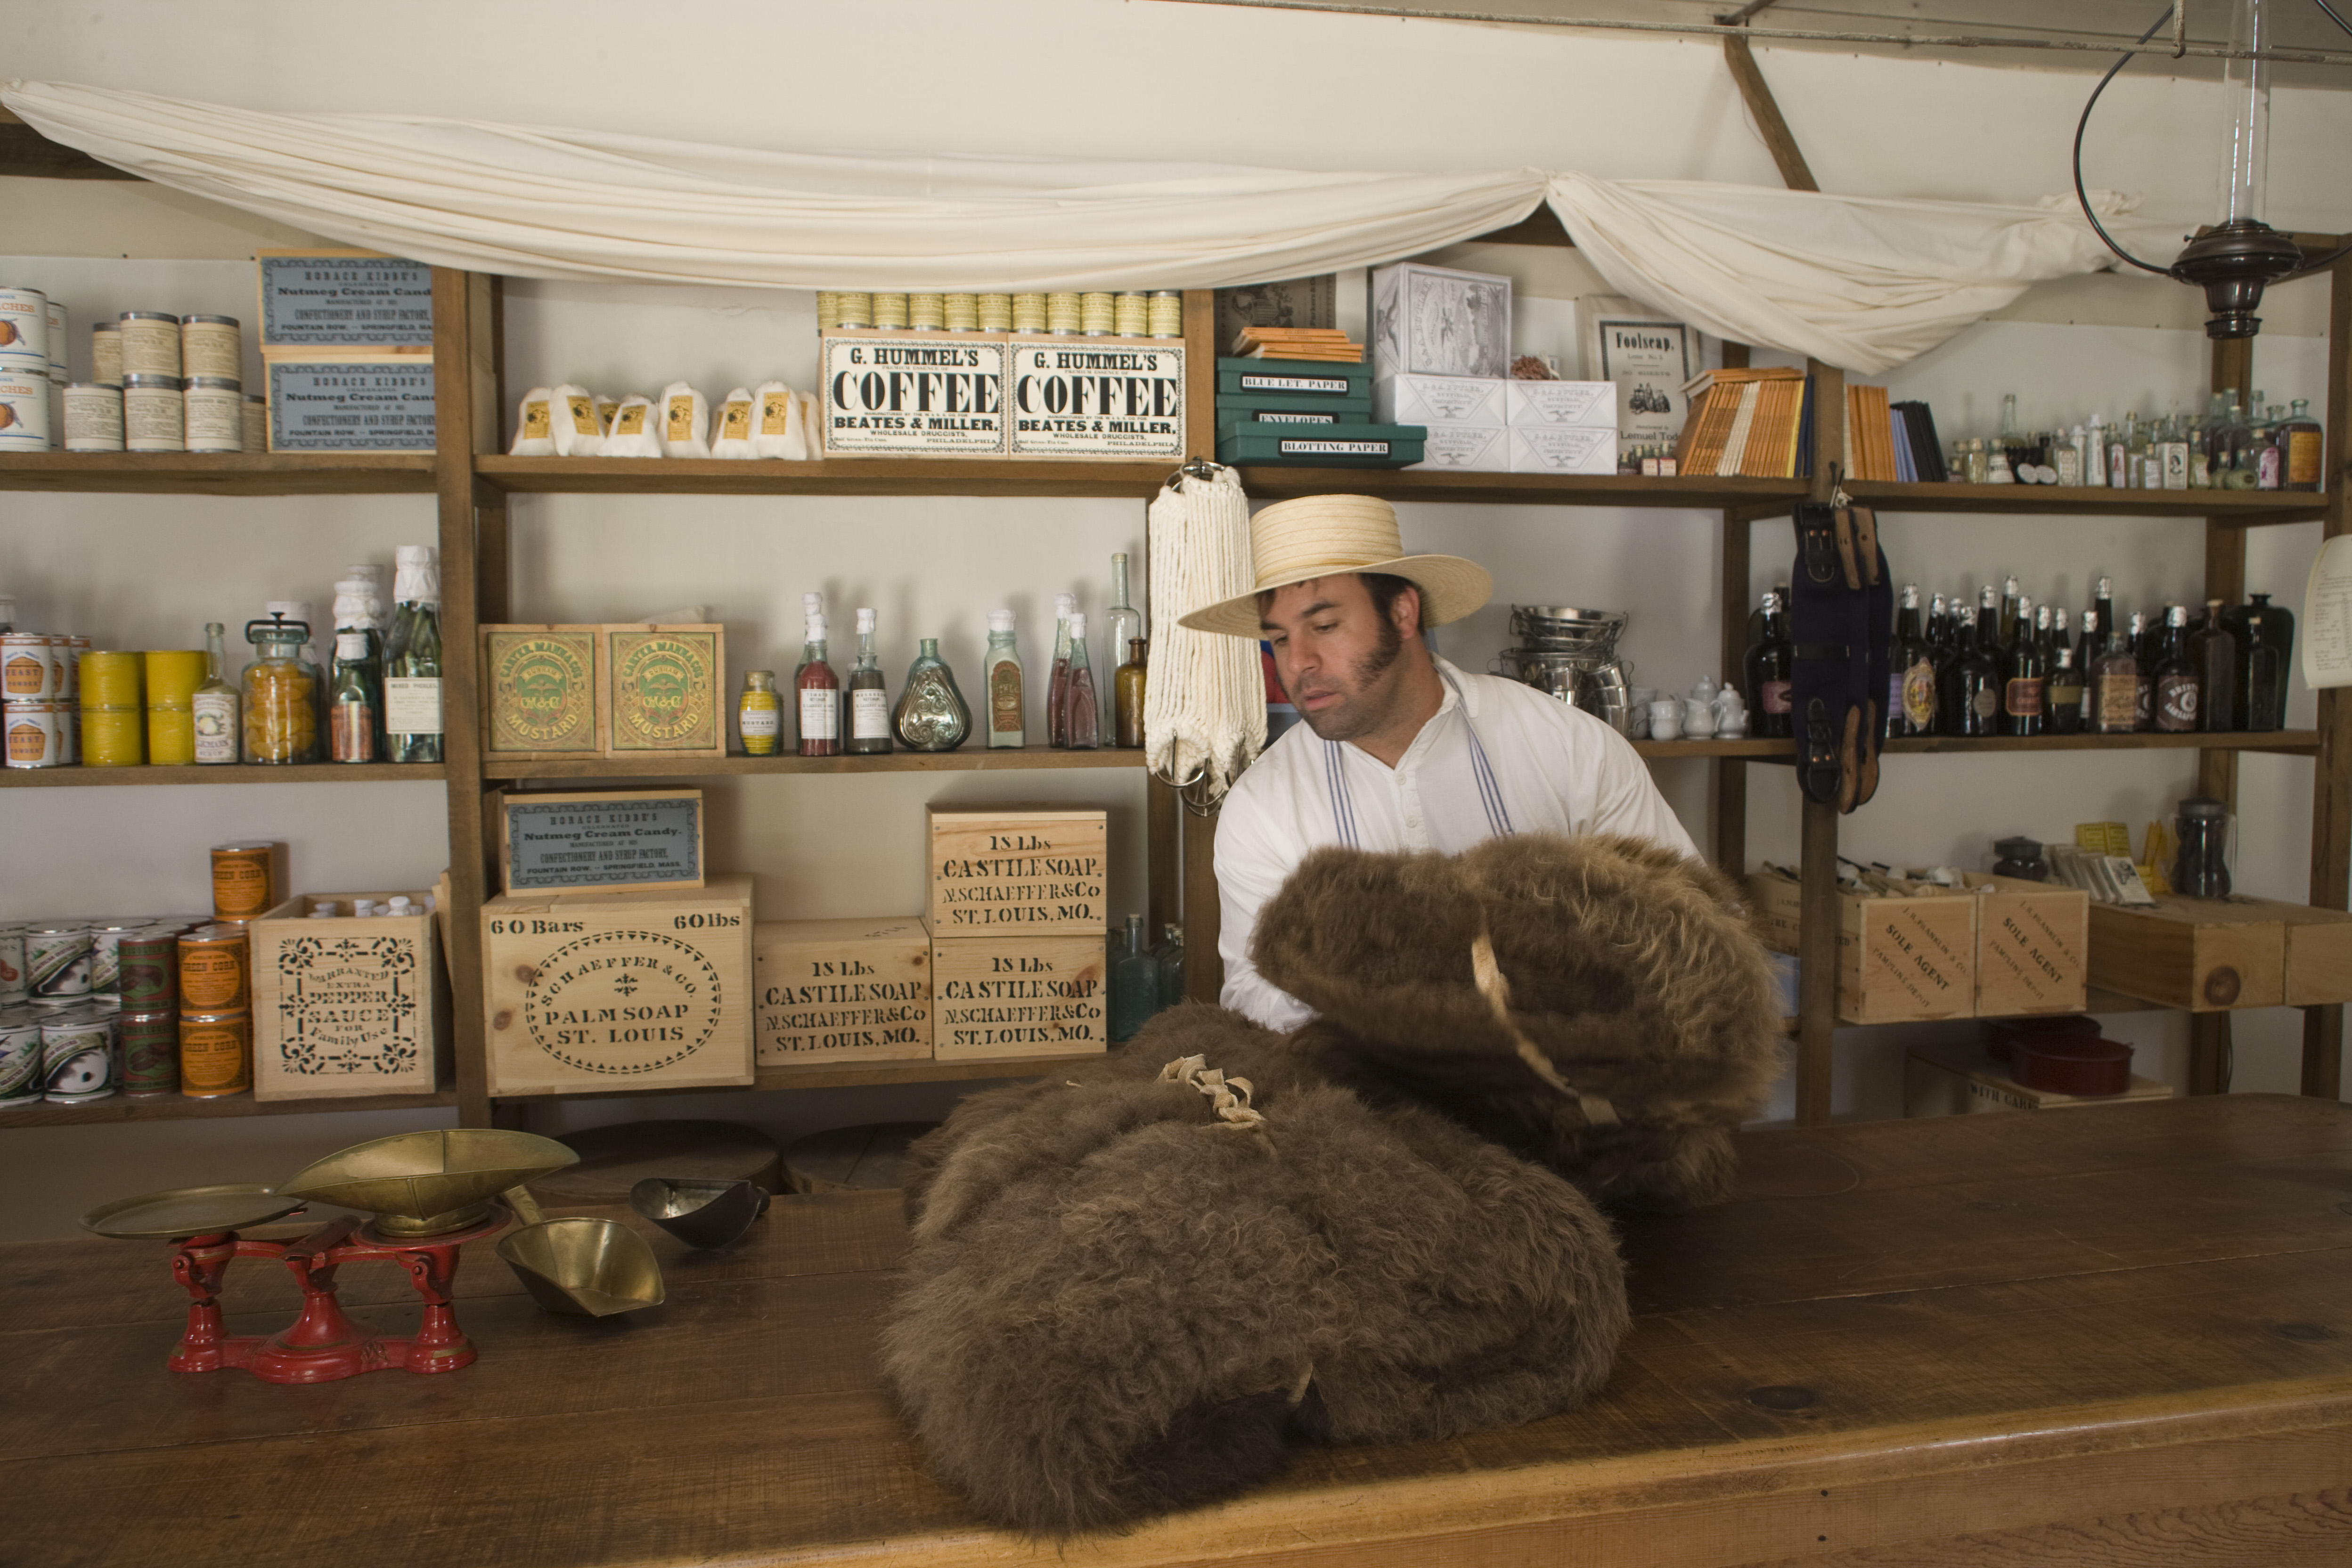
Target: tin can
[(60, 339), (67, 652), (57, 413), (150, 344), (25, 409), (13, 991), (112, 679), (1028, 313), (154, 414), (853, 310), (24, 332), (105, 937), (927, 312), (995, 312), (93, 418), (213, 410), (28, 669), (151, 1053), (828, 309), (212, 970), (245, 881), (39, 733), (147, 969), (56, 962), (1063, 313), (113, 737), (211, 346), (962, 311), (1097, 314), (77, 1055), (1133, 315), (253, 417), (21, 1082), (890, 312), (216, 1054), (106, 354), (1167, 314)]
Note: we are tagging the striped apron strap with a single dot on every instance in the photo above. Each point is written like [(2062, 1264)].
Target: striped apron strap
[(1343, 808), (1490, 792)]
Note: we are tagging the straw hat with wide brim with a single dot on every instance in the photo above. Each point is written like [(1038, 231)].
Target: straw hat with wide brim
[(1324, 536)]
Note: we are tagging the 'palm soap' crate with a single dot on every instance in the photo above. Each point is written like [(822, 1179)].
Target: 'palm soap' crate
[(347, 1005)]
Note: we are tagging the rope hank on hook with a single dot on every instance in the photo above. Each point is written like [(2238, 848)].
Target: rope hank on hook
[(1204, 699), (1228, 1097), (1496, 990)]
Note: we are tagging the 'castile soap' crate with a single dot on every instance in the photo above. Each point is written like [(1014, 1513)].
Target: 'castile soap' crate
[(609, 991), (346, 1005), (841, 991), (1033, 995), (999, 871)]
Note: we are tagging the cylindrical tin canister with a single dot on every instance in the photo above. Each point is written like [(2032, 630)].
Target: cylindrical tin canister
[(93, 418), (254, 421), (154, 414), (13, 991), (21, 1082), (28, 669), (210, 346), (112, 679), (77, 1056), (216, 1054), (105, 937), (67, 652), (1028, 313), (212, 969), (890, 312), (927, 312), (60, 338), (245, 881), (150, 344), (151, 1052), (1167, 314), (115, 737), (962, 311), (1063, 313), (24, 409), (57, 963), (173, 677), (24, 332), (995, 312), (1133, 313), (213, 408), (147, 967), (828, 309), (853, 310), (40, 734), (106, 354), (1097, 314)]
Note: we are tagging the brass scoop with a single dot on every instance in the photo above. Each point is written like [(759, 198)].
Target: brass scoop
[(595, 1268)]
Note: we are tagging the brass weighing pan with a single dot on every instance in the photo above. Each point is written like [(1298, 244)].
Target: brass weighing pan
[(428, 1183), (179, 1213), (703, 1214)]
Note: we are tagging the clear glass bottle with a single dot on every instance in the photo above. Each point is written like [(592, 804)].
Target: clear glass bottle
[(1057, 734), (1980, 464), (2270, 454), (1000, 684), (217, 707), (2175, 688), (1082, 711), (2009, 604), (760, 714), (282, 694), (869, 699), (1170, 956), (818, 697), (1128, 703), (358, 608), (931, 715), (2214, 655), (350, 705), (1997, 468), (1121, 623), (1134, 983), (412, 659), (2237, 447), (2094, 451)]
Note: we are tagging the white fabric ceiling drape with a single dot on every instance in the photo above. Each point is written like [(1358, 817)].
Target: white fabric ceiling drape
[(1862, 283)]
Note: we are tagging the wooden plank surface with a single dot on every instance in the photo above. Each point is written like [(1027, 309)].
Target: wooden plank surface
[(2243, 509), (220, 473), (834, 477), (2113, 1336), (179, 1108)]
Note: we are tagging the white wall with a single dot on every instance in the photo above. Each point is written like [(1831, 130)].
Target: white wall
[(1057, 78)]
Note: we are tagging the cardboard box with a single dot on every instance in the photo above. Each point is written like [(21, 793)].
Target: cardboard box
[(357, 401), (605, 993), (2034, 945), (1563, 449), (547, 692), (1578, 404), (996, 869), (841, 991), (1436, 321), (2204, 955), (1898, 958), (1467, 448), (1439, 400), (346, 1005), (1282, 382), (589, 841), (332, 299), (1033, 995), (1329, 446), (1949, 1082), (1116, 399), (912, 395), (668, 686)]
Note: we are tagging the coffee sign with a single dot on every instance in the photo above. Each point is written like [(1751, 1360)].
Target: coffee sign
[(1122, 400), (932, 395)]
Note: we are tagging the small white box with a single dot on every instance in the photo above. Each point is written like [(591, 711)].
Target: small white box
[(1435, 400), (1563, 449), (1582, 405), (1466, 448), (1435, 321)]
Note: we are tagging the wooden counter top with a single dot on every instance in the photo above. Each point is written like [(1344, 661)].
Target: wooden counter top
[(2120, 1334)]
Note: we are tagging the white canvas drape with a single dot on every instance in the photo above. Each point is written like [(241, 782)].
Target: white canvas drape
[(1865, 283)]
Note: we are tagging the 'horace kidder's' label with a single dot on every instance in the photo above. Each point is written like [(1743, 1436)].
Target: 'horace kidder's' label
[(665, 689), (542, 685), (996, 870)]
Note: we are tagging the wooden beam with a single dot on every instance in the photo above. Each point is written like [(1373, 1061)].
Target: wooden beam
[(1778, 139), (1817, 958), (26, 154), (1541, 226), (2331, 784)]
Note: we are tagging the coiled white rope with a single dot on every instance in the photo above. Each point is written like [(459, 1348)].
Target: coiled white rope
[(1204, 701)]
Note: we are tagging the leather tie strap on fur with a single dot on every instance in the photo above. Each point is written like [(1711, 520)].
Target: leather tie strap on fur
[(1496, 990), (1228, 1097)]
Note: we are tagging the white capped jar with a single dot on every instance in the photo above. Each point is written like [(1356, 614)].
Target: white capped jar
[(154, 413), (215, 413), (210, 345), (106, 354), (254, 421), (25, 409), (93, 418), (25, 331), (150, 344)]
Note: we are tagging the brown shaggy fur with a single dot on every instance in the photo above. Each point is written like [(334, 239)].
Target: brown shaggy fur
[(1116, 1305)]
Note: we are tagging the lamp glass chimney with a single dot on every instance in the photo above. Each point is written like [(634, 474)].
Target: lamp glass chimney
[(2243, 192)]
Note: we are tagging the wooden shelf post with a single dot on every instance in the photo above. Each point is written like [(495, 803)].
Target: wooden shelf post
[(2331, 784)]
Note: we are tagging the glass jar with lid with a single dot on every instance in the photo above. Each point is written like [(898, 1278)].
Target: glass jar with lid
[(282, 694)]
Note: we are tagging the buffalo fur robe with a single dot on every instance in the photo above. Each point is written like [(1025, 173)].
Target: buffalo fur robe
[(1135, 1284)]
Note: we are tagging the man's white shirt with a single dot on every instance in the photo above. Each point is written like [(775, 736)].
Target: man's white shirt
[(1497, 756)]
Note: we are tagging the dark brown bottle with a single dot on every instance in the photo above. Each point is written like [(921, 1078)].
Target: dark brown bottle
[(2145, 649), (2214, 655), (2024, 678), (1770, 668), (2174, 685), (2066, 693), (1972, 686), (1911, 681)]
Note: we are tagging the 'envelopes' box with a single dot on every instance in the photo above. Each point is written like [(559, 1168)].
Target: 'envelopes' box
[(1038, 994), (997, 869), (545, 692), (667, 685), (346, 1004), (841, 991), (1897, 958)]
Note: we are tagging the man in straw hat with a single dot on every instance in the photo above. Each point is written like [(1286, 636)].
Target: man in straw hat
[(1399, 749)]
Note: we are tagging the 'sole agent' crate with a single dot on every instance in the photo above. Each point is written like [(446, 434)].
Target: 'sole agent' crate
[(1033, 995), (346, 1005), (997, 870), (1897, 958), (841, 991)]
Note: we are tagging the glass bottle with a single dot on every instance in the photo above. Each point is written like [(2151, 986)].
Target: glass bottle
[(2278, 628), (412, 659), (351, 706), (812, 607), (1134, 983), (2114, 686), (1128, 703), (1979, 464), (1767, 667), (2144, 650), (2175, 683), (282, 694), (1122, 625), (216, 708), (819, 697), (358, 606), (2103, 600), (2043, 630), (2065, 692), (1170, 956), (2237, 443), (1057, 686), (2025, 681), (1911, 673), (1001, 686), (931, 715), (2008, 609), (2094, 452), (1972, 686), (1997, 468), (1082, 716), (869, 701), (2214, 655), (2260, 675), (1939, 634), (760, 714), (2302, 444), (2270, 454)]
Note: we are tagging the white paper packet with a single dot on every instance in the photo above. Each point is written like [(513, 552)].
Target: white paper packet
[(685, 416), (635, 431), (606, 406), (578, 433), (781, 427), (730, 426), (535, 425)]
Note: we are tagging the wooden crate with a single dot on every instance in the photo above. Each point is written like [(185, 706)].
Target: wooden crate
[(667, 686), (546, 692), (1955, 1083), (1036, 995), (2318, 953), (998, 869), (1897, 958), (2034, 942), (346, 1005), (2205, 955), (841, 990), (595, 992)]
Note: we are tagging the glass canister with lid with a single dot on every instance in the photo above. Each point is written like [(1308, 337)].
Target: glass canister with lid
[(282, 694)]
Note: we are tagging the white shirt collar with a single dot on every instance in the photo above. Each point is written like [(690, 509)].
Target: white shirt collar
[(1457, 692)]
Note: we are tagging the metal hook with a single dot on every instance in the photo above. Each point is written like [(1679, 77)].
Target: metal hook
[(1194, 468)]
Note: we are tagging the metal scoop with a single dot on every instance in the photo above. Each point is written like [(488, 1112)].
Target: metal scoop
[(699, 1212), (595, 1267)]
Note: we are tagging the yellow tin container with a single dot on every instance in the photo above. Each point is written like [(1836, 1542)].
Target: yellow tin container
[(116, 737), (1097, 314), (112, 679), (962, 311), (1167, 314), (173, 676), (170, 737), (996, 312), (927, 312), (1133, 312), (890, 312), (1028, 313), (1063, 313), (853, 310), (213, 964)]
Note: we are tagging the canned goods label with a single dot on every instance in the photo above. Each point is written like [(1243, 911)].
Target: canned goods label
[(147, 966), (154, 420), (78, 1058), (24, 409), (216, 1054), (254, 421), (28, 669), (211, 976), (13, 989), (106, 354), (220, 734), (151, 343), (57, 962), (216, 419), (24, 325), (211, 346), (21, 1080), (93, 418), (244, 879), (60, 336), (151, 1052)]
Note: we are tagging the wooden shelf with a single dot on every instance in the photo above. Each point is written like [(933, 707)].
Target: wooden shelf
[(841, 477), (1271, 483), (851, 1075), (971, 760), (220, 473), (2252, 507), (2290, 742), (178, 1108), (230, 773)]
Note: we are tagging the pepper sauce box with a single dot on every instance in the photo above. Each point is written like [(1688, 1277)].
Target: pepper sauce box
[(890, 394), (667, 684), (998, 869), (347, 1006), (841, 990), (547, 692), (1037, 995), (1120, 399), (604, 993)]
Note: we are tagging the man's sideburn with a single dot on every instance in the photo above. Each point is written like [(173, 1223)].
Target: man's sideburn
[(1357, 716)]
